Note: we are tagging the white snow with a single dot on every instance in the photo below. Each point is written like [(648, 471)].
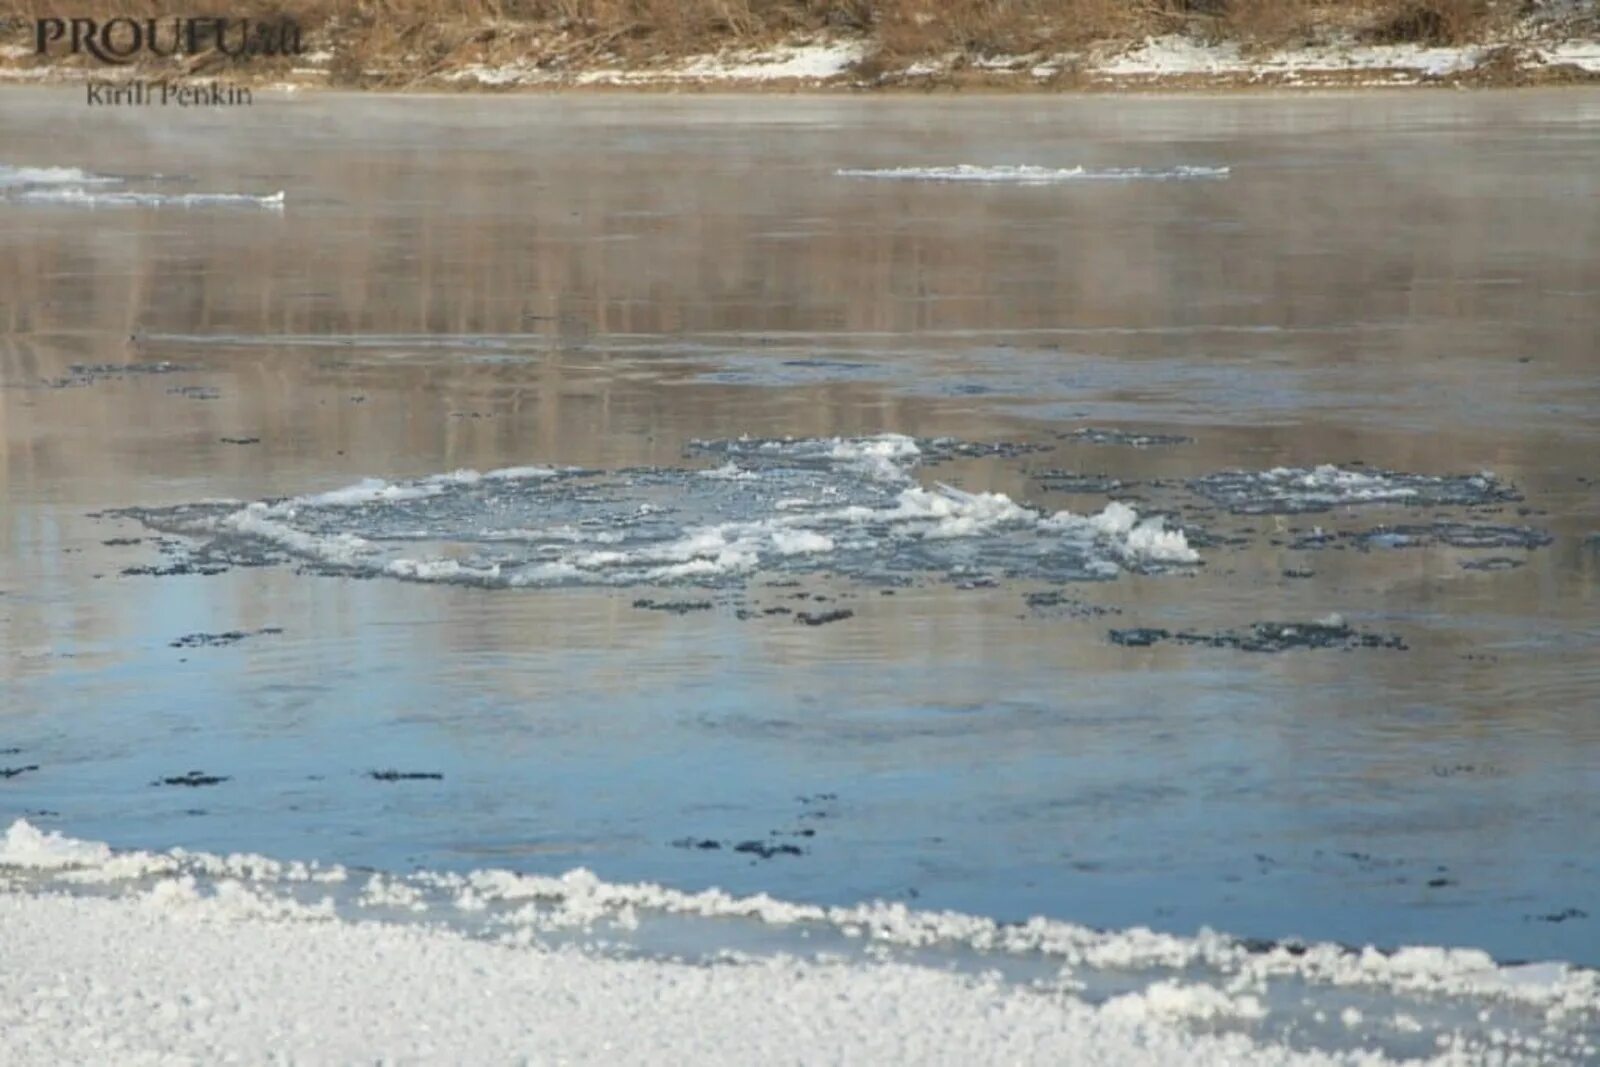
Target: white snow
[(815, 61), (183, 955), (1583, 54), (174, 976), (810, 62), (1177, 55)]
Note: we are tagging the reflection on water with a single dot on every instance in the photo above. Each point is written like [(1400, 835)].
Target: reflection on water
[(1401, 289)]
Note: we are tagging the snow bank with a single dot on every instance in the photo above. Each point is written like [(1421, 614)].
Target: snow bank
[(136, 956), (171, 977)]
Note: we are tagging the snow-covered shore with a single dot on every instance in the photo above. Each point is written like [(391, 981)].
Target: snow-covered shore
[(845, 63), (168, 979)]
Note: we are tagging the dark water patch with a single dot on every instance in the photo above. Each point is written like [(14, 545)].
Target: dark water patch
[(12, 772), (1200, 536), (229, 637), (1472, 770), (1450, 533), (674, 607), (195, 392), (1064, 481), (1561, 916), (1301, 490), (405, 776), (193, 780), (1101, 436), (1456, 535), (1268, 637), (1058, 604), (171, 570), (941, 449), (81, 374), (1139, 636), (767, 850), (1493, 563), (822, 618)]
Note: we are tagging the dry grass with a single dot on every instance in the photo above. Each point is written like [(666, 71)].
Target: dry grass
[(394, 41), (1434, 22)]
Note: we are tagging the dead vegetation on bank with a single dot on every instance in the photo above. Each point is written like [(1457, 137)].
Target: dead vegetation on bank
[(394, 43)]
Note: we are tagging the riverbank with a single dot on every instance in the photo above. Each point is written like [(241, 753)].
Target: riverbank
[(877, 45)]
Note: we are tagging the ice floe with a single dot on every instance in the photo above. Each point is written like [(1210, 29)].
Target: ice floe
[(1289, 490), (1027, 174), (75, 187), (846, 506)]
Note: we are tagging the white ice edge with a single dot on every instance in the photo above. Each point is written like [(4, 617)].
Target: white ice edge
[(1029, 174), (34, 176), (70, 196), (75, 186), (256, 888)]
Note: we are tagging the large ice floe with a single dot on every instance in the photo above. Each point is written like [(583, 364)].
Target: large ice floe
[(122, 955), (1288, 490), (846, 506), (1027, 174), (74, 187)]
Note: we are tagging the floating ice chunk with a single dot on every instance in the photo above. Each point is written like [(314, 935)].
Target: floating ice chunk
[(509, 474), (1028, 174), (34, 176), (730, 472), (436, 570), (33, 849), (956, 513), (123, 198), (257, 520), (793, 542), (1175, 1001), (1151, 540)]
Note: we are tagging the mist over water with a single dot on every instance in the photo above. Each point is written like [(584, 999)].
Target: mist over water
[(615, 483)]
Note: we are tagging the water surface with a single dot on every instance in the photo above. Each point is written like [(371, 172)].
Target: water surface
[(1400, 287)]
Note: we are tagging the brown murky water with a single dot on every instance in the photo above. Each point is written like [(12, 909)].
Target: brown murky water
[(1403, 281)]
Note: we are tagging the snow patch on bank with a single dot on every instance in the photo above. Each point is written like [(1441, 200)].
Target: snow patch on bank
[(799, 62), (1176, 55), (1585, 55)]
